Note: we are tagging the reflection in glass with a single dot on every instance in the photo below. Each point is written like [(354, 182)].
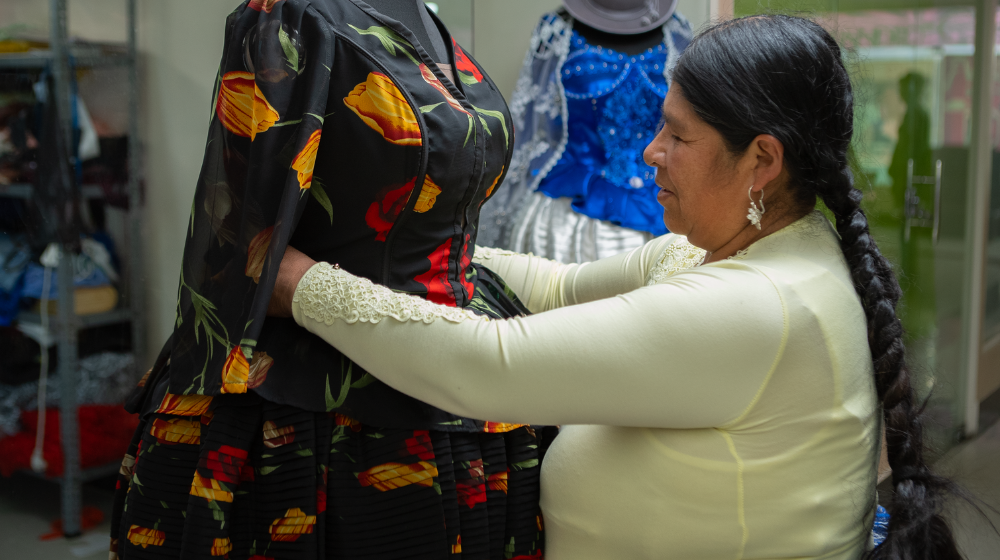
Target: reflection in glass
[(913, 76)]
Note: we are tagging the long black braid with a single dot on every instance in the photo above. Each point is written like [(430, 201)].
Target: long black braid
[(784, 76)]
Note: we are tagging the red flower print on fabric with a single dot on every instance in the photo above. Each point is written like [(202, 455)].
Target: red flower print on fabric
[(262, 5), (383, 214), (225, 464), (321, 492), (439, 288), (342, 420), (463, 64), (471, 492), (246, 473), (420, 445)]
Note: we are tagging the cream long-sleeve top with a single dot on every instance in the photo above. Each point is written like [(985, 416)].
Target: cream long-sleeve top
[(718, 411)]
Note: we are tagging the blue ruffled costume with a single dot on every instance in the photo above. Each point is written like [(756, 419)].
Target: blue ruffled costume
[(614, 102)]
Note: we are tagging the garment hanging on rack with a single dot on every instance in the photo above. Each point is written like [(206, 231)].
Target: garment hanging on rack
[(578, 188)]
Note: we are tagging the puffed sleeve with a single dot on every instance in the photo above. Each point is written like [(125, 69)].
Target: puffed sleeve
[(544, 284), (266, 120), (692, 352)]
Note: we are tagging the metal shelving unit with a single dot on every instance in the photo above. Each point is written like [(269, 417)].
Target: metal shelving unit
[(62, 58)]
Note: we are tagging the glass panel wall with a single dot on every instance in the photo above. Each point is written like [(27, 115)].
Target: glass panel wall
[(457, 17), (913, 75), (991, 326)]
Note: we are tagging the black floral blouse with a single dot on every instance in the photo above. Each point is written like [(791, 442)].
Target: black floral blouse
[(332, 130), (384, 164)]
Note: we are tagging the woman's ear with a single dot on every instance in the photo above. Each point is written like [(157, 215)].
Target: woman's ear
[(767, 156)]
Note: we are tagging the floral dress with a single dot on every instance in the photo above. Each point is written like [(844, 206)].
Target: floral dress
[(332, 130)]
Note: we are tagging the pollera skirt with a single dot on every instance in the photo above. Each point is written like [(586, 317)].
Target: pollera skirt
[(237, 476)]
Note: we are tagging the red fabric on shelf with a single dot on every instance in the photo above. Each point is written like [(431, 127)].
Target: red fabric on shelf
[(105, 432)]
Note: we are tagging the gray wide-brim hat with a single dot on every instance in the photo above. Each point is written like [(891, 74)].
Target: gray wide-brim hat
[(622, 17)]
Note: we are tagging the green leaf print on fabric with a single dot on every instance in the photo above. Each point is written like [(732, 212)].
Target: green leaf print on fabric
[(389, 39), (339, 435), (345, 386), (479, 304), (467, 79), (319, 193), (205, 319), (530, 463), (366, 380), (291, 53), (497, 115)]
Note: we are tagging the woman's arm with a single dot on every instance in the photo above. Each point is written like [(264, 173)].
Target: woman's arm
[(690, 353), (544, 284)]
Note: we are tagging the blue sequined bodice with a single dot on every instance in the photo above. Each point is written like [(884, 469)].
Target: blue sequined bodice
[(613, 101)]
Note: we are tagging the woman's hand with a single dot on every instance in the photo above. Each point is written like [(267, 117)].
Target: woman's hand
[(293, 266)]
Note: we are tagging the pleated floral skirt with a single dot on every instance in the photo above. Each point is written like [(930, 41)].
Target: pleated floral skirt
[(236, 476)]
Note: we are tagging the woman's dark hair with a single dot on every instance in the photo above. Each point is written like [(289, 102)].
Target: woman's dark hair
[(784, 76)]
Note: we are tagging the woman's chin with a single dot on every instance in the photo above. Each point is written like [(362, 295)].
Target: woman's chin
[(671, 224)]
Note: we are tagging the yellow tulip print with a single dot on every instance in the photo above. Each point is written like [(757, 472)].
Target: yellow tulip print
[(142, 536), (382, 106), (390, 476), (221, 547), (184, 405), (428, 196), (176, 430), (236, 372), (294, 524), (242, 107), (210, 489), (305, 160), (257, 254)]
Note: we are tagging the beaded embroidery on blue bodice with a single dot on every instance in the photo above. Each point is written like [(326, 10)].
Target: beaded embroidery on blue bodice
[(613, 101)]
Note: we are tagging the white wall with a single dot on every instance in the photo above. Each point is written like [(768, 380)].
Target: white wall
[(181, 44)]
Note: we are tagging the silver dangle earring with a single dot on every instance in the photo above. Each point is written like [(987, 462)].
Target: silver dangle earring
[(753, 213)]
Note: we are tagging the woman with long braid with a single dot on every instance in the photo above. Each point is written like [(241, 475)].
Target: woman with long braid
[(721, 391)]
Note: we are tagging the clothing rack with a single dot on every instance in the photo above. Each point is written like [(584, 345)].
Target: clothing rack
[(62, 58)]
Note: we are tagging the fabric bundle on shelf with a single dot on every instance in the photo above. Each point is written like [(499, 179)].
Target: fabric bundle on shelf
[(105, 432), (105, 378)]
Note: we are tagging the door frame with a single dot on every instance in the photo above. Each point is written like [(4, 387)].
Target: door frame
[(977, 212)]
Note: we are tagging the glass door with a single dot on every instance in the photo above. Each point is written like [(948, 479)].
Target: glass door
[(913, 75)]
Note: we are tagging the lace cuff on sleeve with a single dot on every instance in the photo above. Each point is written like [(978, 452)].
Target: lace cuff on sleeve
[(327, 293), (492, 253)]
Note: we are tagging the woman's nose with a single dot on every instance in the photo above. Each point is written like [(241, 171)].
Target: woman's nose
[(648, 154)]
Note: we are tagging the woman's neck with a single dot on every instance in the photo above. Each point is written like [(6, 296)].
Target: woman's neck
[(413, 14), (779, 219)]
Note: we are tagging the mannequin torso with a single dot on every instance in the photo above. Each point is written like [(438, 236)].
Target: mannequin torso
[(413, 14)]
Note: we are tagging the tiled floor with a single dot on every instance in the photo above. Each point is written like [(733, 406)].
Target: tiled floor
[(28, 506), (976, 466)]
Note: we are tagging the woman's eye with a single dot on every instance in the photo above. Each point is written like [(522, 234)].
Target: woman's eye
[(676, 138)]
